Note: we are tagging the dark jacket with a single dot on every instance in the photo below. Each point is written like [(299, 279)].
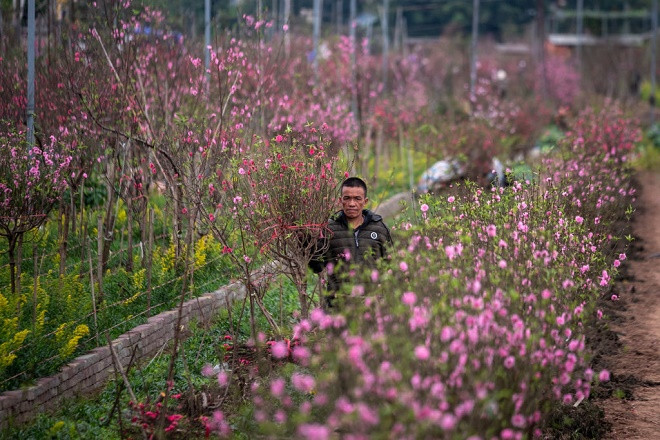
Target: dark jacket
[(365, 244)]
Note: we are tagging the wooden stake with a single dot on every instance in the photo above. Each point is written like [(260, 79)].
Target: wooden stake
[(150, 256), (119, 368), (129, 235), (19, 258), (35, 285), (91, 283), (99, 267)]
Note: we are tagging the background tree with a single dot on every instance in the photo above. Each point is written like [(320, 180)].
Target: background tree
[(31, 183), (280, 195)]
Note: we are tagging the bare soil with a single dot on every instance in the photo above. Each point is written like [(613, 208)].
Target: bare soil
[(630, 344)]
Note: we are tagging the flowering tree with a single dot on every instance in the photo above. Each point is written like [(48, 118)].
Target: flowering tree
[(562, 80), (31, 183), (279, 194), (302, 99), (58, 111)]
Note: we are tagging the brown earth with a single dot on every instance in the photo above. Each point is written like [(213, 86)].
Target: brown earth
[(632, 405)]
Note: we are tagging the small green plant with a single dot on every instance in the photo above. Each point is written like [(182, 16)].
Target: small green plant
[(648, 157), (645, 92), (619, 394)]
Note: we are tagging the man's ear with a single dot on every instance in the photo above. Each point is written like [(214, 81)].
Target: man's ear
[(366, 200)]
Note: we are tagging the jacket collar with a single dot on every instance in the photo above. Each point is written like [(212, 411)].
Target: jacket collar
[(369, 216)]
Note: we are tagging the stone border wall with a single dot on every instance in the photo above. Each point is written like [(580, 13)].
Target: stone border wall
[(90, 372)]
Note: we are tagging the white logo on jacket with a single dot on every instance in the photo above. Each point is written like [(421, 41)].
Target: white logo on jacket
[(374, 235)]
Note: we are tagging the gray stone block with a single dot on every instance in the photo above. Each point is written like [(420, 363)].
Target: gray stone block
[(9, 399), (87, 359), (121, 342), (25, 406), (133, 336), (143, 330), (102, 352)]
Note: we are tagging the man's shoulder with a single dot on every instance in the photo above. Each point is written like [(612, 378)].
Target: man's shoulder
[(372, 217), (375, 223), (376, 217), (336, 216), (337, 221)]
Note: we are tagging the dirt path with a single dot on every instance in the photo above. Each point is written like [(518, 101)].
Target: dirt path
[(634, 408)]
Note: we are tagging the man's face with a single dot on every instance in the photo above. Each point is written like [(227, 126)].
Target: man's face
[(353, 200)]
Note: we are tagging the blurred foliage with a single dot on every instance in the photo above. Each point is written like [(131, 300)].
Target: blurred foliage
[(424, 18), (648, 151)]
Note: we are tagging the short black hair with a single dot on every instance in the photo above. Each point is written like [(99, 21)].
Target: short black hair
[(355, 182)]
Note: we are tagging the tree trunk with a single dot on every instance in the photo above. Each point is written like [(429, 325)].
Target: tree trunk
[(35, 282), (109, 218), (99, 262), (386, 41), (193, 27), (386, 151), (16, 19), (249, 291), (189, 265), (121, 243), (355, 108), (129, 240), (19, 257), (91, 285), (378, 154), (81, 209), (366, 150), (48, 21), (11, 238), (176, 227), (177, 329), (64, 237), (540, 29), (144, 237), (275, 15), (72, 213), (149, 257), (287, 34), (301, 285)]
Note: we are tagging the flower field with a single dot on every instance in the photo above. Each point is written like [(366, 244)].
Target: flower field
[(156, 178), (477, 325)]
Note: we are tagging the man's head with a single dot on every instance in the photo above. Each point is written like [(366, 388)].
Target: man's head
[(353, 197)]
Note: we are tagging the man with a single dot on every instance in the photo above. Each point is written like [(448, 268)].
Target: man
[(357, 236)]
